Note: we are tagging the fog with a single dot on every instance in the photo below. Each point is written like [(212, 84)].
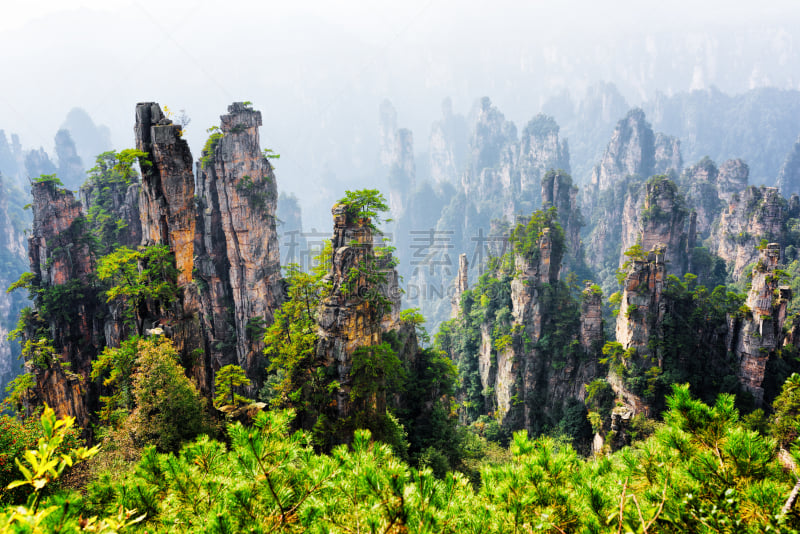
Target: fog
[(319, 70)]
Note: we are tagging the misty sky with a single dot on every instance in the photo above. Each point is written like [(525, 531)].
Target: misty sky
[(318, 70)]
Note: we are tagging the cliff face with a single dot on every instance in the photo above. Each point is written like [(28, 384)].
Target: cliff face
[(755, 214), (631, 151), (540, 151), (659, 221), (558, 192), (238, 260), (61, 263), (358, 310), (13, 254), (70, 166), (754, 338), (447, 146), (528, 370), (228, 239), (641, 313), (616, 193), (167, 198), (789, 174)]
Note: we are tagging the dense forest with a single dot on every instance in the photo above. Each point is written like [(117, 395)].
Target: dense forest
[(617, 353)]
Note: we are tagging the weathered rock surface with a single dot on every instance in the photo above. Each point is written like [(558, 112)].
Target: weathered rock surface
[(631, 151), (60, 258), (755, 214), (789, 175), (461, 284), (37, 162), (754, 338), (357, 311), (447, 146), (70, 166), (167, 198), (237, 255)]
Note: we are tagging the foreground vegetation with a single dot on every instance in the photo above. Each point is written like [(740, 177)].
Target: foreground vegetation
[(702, 470)]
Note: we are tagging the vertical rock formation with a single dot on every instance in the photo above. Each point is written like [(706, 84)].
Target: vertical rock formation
[(631, 151), (641, 314), (167, 198), (756, 336), (61, 264), (540, 151), (8, 160), (789, 175), (357, 311), (13, 253), (447, 146), (668, 157), (755, 214), (70, 166), (461, 284), (238, 259), (558, 192), (387, 132), (402, 172), (591, 319), (293, 243), (37, 162), (732, 179), (659, 222), (492, 156)]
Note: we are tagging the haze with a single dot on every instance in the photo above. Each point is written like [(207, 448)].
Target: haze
[(319, 71)]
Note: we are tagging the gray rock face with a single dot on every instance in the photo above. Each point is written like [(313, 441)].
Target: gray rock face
[(70, 166), (348, 317), (755, 214), (237, 256), (447, 146), (540, 151), (667, 154), (754, 338), (37, 162), (789, 175), (631, 151)]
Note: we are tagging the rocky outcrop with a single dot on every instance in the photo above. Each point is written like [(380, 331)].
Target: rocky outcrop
[(789, 175), (9, 158), (661, 222), (167, 199), (357, 310), (447, 146), (402, 172), (540, 151), (37, 163), (668, 157), (461, 284), (591, 319), (631, 151), (558, 192), (642, 311), (70, 166), (755, 214), (62, 265), (755, 337), (238, 259), (732, 179)]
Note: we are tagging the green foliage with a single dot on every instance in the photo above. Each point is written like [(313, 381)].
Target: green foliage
[(226, 381), (168, 406), (49, 179), (56, 451), (413, 317), (525, 238), (140, 280), (207, 155), (19, 390), (256, 191), (118, 366), (374, 370), (786, 412), (365, 204), (105, 188)]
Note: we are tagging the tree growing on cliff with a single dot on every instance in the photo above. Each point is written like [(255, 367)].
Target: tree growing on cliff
[(140, 281), (227, 380), (366, 204)]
